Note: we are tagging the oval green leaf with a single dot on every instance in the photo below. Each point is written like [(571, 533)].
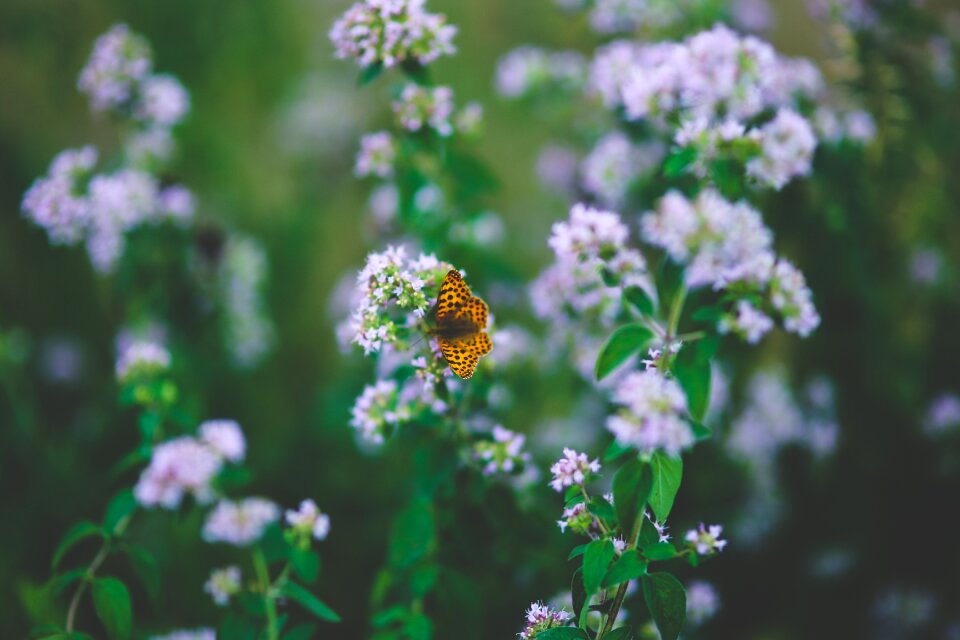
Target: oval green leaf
[(667, 603), (596, 561), (310, 602), (626, 341), (112, 603), (631, 489), (667, 474)]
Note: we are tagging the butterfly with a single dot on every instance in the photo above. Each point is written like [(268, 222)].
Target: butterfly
[(461, 319)]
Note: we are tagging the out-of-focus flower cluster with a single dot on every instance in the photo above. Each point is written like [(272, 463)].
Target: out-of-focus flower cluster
[(727, 246), (503, 453), (240, 523), (75, 204), (391, 32), (189, 465), (420, 108), (773, 418), (528, 71), (142, 360), (249, 331), (720, 96)]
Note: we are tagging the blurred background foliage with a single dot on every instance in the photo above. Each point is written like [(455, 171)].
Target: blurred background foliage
[(269, 148)]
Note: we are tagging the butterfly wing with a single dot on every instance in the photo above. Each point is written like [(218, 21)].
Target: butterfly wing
[(463, 354), (454, 297)]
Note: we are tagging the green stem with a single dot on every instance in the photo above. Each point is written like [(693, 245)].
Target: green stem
[(91, 572), (675, 310), (622, 589), (263, 576)]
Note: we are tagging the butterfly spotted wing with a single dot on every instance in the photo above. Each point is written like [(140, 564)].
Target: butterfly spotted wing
[(461, 319)]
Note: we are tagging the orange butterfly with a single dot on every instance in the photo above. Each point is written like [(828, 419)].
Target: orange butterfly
[(461, 320)]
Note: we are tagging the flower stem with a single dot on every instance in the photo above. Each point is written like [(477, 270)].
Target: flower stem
[(263, 576), (87, 579)]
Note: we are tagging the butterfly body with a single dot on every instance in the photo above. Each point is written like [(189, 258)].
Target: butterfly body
[(460, 322)]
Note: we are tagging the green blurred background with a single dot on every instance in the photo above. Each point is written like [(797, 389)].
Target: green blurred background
[(890, 495)]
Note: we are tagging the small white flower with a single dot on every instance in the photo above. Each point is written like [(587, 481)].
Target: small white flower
[(706, 539), (309, 518)]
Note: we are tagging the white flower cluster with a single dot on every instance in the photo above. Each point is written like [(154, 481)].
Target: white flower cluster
[(727, 246), (614, 16), (502, 454), (71, 202), (390, 32), (572, 469), (529, 70), (579, 520), (187, 465), (73, 205), (541, 617), (721, 87), (378, 152), (142, 359), (706, 539), (118, 77), (615, 164), (239, 523), (223, 584), (787, 144), (310, 519), (243, 277), (652, 415), (590, 245), (386, 405), (419, 107), (391, 296)]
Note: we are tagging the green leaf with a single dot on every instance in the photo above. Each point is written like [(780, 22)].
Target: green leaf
[(626, 341), (667, 473), (700, 431), (577, 551), (274, 544), (78, 532), (629, 566), (48, 631), (562, 633), (667, 602), (660, 551), (310, 602), (578, 595), (623, 633), (639, 300), (602, 509), (418, 627), (678, 161), (631, 488), (300, 632), (692, 371), (423, 578), (648, 534), (412, 536), (615, 450), (387, 617), (596, 561), (306, 564), (112, 603), (119, 510), (370, 73), (237, 627), (60, 582), (145, 566)]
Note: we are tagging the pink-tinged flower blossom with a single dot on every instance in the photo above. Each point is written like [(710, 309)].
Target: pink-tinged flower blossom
[(706, 539), (142, 359), (419, 107), (239, 523), (178, 467), (223, 584), (503, 454), (573, 469), (120, 60), (703, 602), (652, 414), (310, 519), (225, 438), (541, 617), (378, 152)]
